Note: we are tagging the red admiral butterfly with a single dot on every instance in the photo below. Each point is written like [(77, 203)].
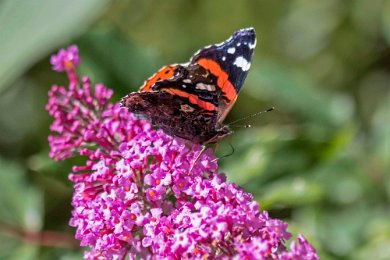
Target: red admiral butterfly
[(191, 100)]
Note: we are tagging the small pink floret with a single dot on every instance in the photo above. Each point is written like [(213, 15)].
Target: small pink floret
[(66, 59)]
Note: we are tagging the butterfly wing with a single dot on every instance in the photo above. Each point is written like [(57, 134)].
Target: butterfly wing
[(229, 62), (166, 72), (214, 76), (191, 100)]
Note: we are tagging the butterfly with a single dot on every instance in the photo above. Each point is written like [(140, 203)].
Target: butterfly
[(191, 100)]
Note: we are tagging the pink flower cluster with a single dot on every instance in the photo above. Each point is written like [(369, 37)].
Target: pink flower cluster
[(136, 197)]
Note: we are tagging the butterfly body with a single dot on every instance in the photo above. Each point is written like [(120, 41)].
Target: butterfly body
[(191, 100)]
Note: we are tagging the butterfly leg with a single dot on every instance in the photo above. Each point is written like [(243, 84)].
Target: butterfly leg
[(226, 155), (197, 158)]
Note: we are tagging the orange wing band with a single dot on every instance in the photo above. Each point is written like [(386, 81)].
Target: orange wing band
[(223, 82), (166, 72), (192, 98)]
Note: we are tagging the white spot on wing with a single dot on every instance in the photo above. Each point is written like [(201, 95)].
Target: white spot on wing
[(239, 44), (187, 81), (207, 87), (252, 45), (231, 50), (223, 58), (242, 63)]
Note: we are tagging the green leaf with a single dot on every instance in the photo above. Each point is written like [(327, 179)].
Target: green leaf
[(295, 92), (25, 252), (291, 193), (377, 231), (23, 103), (12, 197), (110, 54), (386, 21), (31, 29), (342, 229), (20, 204), (21, 210)]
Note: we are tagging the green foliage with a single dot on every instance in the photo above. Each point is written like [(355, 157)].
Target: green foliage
[(321, 161), (32, 28)]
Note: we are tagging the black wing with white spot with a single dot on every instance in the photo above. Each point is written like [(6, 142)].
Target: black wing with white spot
[(233, 55)]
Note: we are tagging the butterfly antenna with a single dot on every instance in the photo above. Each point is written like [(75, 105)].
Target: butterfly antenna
[(243, 126), (250, 116)]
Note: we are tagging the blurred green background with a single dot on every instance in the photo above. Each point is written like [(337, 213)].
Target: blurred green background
[(320, 161)]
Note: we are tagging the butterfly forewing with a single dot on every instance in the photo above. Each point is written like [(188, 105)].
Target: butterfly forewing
[(229, 61)]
